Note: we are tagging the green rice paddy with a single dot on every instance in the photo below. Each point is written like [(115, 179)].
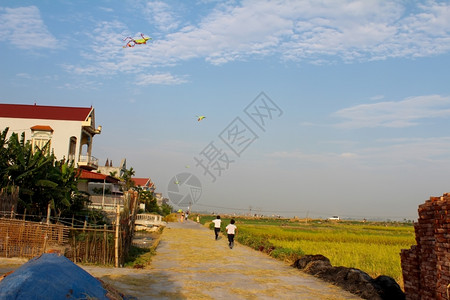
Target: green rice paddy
[(371, 247)]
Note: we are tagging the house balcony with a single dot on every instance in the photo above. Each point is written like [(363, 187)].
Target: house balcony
[(88, 162), (106, 202), (88, 126)]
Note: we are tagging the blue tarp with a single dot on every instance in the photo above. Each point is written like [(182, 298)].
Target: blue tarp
[(51, 276)]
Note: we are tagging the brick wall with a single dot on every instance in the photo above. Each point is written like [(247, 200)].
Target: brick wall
[(426, 266)]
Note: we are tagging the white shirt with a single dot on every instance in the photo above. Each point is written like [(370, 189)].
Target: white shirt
[(217, 223), (231, 228)]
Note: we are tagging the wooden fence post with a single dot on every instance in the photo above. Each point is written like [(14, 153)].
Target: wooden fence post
[(86, 248), (7, 239), (116, 246), (105, 245), (45, 241), (48, 213), (75, 249)]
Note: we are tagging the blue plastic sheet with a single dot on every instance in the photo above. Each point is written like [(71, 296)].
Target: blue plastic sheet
[(51, 276)]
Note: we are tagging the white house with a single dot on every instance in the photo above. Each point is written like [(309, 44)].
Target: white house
[(110, 169), (70, 130)]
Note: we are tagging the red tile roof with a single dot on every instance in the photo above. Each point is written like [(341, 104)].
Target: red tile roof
[(24, 111), (142, 182), (42, 128), (96, 176)]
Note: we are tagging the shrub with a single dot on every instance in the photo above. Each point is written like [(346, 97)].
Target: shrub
[(287, 254), (170, 218)]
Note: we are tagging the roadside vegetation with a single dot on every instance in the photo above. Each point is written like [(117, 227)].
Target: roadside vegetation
[(373, 247), (38, 179), (140, 257)]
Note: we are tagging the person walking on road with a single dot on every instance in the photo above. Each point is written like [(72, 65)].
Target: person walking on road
[(217, 222), (231, 231)]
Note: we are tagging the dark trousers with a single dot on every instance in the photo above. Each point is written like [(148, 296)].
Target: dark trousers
[(231, 240), (216, 231)]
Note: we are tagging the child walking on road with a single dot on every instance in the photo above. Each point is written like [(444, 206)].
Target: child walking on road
[(217, 223), (231, 231)]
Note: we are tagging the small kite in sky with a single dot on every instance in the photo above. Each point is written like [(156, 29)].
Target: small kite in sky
[(132, 42), (199, 118)]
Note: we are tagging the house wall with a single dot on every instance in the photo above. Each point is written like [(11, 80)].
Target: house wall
[(62, 131), (108, 170)]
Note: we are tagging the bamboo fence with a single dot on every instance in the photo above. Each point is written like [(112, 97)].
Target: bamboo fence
[(96, 246), (20, 238), (105, 245)]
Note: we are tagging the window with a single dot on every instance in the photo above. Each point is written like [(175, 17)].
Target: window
[(40, 143), (72, 148), (41, 136)]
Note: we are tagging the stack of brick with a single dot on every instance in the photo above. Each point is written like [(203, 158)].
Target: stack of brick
[(426, 266)]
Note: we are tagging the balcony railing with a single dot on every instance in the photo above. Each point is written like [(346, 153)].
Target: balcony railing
[(88, 161), (106, 202)]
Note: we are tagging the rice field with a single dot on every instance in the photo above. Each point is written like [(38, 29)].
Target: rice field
[(373, 248)]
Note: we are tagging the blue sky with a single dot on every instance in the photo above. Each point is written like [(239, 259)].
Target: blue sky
[(362, 89)]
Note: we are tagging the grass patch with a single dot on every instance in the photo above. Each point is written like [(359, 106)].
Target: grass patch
[(140, 257), (173, 217)]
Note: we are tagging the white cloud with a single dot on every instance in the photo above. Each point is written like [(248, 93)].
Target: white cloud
[(160, 78), (322, 158), (348, 155), (24, 28), (24, 75), (310, 31), (82, 85), (385, 154), (106, 9), (161, 15), (408, 152), (377, 97), (399, 114)]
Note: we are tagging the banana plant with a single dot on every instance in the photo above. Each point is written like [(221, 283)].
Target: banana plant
[(41, 179)]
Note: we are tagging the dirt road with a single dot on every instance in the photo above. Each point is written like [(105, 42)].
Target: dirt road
[(190, 264)]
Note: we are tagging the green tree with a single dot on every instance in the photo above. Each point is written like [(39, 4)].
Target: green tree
[(148, 198), (166, 209), (127, 179), (151, 205), (30, 171), (66, 199), (41, 179), (4, 158)]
